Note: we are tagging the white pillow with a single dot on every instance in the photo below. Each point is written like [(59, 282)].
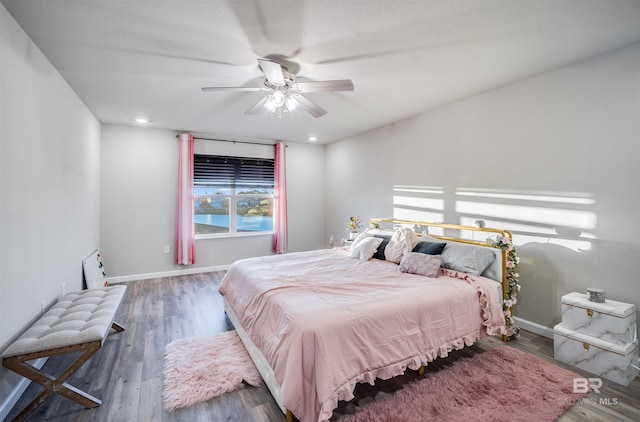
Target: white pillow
[(403, 241), (361, 236), (364, 247)]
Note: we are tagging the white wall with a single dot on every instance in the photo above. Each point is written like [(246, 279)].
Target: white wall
[(138, 194), (569, 140), (306, 197), (49, 186), (139, 168)]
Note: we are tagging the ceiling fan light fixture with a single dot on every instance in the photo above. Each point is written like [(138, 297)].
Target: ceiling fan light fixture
[(287, 93), (280, 101), (290, 102), (277, 98), (270, 105)]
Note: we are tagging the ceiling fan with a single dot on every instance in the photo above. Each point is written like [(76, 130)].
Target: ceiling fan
[(286, 92)]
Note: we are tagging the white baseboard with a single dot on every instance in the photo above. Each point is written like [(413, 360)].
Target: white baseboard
[(173, 273), (16, 393), (534, 327)]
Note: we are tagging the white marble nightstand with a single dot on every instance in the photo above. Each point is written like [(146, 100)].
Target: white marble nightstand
[(598, 337)]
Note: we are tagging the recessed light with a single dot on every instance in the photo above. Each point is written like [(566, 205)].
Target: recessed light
[(142, 120), (313, 138)]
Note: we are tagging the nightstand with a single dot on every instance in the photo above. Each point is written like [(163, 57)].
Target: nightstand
[(598, 337), (347, 242)]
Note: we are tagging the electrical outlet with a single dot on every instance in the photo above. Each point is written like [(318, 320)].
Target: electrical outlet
[(167, 249)]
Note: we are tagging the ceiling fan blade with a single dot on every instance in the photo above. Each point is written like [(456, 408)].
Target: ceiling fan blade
[(257, 107), (316, 86), (309, 106), (272, 71), (230, 88)]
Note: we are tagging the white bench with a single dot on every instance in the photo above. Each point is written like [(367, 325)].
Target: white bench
[(80, 321)]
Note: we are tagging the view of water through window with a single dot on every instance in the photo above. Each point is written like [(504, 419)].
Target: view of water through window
[(220, 223)]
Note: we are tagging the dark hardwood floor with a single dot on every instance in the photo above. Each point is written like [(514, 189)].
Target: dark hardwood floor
[(126, 374)]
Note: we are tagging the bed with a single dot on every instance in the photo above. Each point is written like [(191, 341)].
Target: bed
[(317, 323)]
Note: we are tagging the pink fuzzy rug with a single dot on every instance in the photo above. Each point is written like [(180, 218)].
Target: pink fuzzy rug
[(199, 369), (502, 384)]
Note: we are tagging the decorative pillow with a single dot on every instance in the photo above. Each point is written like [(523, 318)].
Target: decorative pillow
[(364, 248), (379, 253), (430, 248), (420, 263), (466, 258), (403, 240), (361, 236)]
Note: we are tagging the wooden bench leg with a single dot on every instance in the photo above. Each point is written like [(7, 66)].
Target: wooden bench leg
[(54, 385), (117, 326), (78, 396)]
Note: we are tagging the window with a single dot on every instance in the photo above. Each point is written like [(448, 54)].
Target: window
[(232, 195)]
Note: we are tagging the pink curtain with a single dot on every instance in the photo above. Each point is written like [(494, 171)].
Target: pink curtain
[(185, 236), (280, 220)]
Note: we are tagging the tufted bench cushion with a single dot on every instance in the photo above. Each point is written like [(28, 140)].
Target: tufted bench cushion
[(79, 317)]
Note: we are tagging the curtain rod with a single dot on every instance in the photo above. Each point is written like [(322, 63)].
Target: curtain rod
[(235, 142)]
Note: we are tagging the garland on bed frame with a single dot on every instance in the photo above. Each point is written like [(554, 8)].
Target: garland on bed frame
[(513, 286), (502, 240)]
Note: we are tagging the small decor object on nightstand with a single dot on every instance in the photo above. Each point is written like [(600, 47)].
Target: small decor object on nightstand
[(353, 227), (596, 295)]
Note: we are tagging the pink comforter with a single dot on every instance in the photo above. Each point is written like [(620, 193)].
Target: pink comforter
[(325, 321)]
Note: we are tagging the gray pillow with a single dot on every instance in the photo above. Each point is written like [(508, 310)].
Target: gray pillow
[(466, 258)]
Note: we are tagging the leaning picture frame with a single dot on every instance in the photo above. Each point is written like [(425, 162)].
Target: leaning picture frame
[(93, 271)]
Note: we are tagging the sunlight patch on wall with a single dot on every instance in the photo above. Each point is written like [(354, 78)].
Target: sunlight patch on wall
[(418, 203), (524, 233), (557, 218), (548, 216), (425, 203), (430, 190), (529, 197), (416, 215), (515, 227), (561, 218)]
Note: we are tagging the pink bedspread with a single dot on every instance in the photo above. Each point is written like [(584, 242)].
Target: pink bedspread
[(325, 321)]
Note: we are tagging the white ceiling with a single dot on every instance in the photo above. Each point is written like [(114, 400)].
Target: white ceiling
[(131, 58)]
